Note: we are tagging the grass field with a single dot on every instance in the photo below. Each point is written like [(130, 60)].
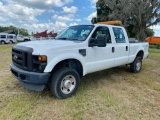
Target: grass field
[(114, 94)]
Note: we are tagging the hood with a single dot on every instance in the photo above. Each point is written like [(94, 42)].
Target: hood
[(42, 45)]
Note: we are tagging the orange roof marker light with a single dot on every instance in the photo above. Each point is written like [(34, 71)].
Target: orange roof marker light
[(116, 22)]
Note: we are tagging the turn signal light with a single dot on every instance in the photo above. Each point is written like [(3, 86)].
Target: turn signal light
[(42, 58)]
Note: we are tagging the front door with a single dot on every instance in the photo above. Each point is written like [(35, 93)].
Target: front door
[(99, 58)]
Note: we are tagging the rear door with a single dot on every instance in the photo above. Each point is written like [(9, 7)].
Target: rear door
[(10, 38), (121, 46)]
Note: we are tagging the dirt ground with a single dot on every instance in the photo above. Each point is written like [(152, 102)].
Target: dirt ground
[(114, 94)]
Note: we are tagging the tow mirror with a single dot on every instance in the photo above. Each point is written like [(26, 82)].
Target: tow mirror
[(100, 41)]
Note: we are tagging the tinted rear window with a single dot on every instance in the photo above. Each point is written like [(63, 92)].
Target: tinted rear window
[(2, 36), (10, 36)]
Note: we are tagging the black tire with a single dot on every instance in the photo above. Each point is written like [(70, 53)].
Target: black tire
[(64, 83), (3, 42), (136, 66), (11, 42)]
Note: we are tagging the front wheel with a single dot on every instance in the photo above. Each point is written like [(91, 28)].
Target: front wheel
[(136, 66), (2, 42), (64, 83)]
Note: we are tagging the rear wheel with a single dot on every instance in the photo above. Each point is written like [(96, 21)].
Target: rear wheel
[(136, 66), (11, 42), (64, 83)]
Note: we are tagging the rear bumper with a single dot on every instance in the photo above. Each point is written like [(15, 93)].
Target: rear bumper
[(30, 80)]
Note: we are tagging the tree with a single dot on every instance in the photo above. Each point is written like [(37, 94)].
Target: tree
[(136, 15), (22, 31), (149, 32)]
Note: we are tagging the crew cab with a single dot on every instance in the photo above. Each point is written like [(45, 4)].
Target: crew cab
[(77, 51)]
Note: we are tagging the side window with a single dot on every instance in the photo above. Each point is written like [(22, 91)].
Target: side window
[(10, 36), (119, 35), (2, 36), (102, 30), (20, 36)]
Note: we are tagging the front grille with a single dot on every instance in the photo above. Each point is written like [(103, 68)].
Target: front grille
[(17, 57), (22, 57)]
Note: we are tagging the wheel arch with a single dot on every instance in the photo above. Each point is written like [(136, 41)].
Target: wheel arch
[(66, 60), (71, 63), (140, 54), (11, 41)]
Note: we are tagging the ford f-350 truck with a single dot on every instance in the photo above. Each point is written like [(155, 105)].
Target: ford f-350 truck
[(75, 52)]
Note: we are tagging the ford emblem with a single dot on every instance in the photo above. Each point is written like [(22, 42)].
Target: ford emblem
[(15, 57)]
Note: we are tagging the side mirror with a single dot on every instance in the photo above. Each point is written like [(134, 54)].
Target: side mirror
[(100, 41)]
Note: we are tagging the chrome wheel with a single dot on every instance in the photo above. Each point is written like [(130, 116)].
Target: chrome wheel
[(68, 84), (64, 83), (138, 65)]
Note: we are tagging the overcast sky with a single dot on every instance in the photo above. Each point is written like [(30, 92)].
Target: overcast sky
[(40, 15)]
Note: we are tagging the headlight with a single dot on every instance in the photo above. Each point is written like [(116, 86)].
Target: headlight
[(39, 63)]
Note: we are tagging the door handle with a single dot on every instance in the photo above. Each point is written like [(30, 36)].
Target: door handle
[(126, 48), (113, 49)]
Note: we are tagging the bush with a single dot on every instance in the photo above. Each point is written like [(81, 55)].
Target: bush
[(154, 46), (158, 46)]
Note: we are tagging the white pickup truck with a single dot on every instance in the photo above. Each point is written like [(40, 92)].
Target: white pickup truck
[(21, 38), (77, 51)]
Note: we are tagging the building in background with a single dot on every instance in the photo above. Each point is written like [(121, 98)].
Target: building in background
[(9, 32)]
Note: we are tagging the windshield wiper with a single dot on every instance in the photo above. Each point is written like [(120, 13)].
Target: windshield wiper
[(63, 38)]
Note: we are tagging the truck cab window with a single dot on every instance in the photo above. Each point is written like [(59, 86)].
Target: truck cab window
[(76, 33), (119, 35), (102, 30)]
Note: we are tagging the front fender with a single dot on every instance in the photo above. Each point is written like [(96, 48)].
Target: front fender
[(62, 57)]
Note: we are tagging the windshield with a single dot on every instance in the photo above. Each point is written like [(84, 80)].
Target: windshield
[(76, 33)]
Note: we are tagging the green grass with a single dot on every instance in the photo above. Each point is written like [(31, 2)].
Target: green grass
[(17, 106), (113, 94), (5, 48), (154, 52)]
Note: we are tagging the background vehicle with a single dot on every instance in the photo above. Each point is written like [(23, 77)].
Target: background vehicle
[(3, 38), (21, 38), (153, 40), (7, 38), (31, 38), (11, 38), (39, 38), (75, 52)]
